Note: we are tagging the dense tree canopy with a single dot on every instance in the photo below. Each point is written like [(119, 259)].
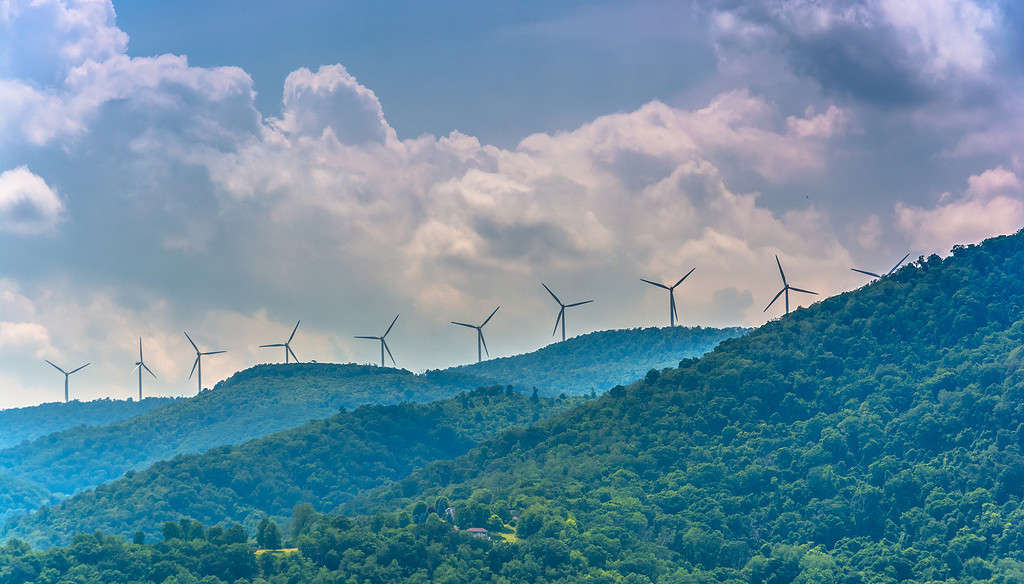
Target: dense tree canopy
[(876, 437), (324, 462), (20, 424), (598, 361)]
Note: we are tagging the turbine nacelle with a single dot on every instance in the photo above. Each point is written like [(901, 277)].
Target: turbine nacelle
[(889, 273), (785, 288), (479, 334), (384, 343), (287, 344), (561, 310), (672, 314)]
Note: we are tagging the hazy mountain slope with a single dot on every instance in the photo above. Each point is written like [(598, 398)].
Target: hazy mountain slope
[(324, 462), (601, 360), (883, 427), (877, 437), (251, 403), (20, 424), (269, 398)]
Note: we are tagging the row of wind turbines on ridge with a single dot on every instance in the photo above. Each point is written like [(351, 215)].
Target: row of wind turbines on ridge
[(481, 343)]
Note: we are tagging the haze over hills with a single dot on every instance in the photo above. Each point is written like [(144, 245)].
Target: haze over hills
[(270, 398), (601, 360), (324, 462), (20, 424), (877, 436)]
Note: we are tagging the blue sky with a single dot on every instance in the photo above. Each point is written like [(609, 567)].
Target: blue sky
[(229, 168)]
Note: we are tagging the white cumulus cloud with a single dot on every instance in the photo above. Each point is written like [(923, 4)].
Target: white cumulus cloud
[(28, 206)]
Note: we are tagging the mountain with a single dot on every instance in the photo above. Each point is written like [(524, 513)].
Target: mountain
[(598, 361), (875, 437), (249, 404), (324, 462), (20, 424), (270, 398)]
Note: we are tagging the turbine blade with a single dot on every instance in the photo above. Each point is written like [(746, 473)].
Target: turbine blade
[(684, 277), (463, 324), (484, 341), (194, 365), (79, 369), (781, 273), (136, 368), (373, 338), (867, 273), (294, 356), (55, 366), (561, 313), (146, 367), (551, 293), (274, 345), (802, 290), (292, 336), (490, 317), (578, 303), (388, 349), (898, 264), (213, 352), (389, 326), (774, 299), (655, 284), (191, 341)]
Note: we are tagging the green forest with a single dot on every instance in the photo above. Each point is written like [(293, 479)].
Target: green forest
[(20, 424), (596, 362), (269, 398), (875, 437), (324, 462)]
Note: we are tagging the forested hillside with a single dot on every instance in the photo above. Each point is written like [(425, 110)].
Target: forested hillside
[(20, 424), (251, 403), (600, 360), (877, 436), (324, 463)]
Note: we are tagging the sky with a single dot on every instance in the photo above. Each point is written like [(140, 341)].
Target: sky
[(229, 168)]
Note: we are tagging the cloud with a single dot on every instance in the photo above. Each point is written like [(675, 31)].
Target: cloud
[(993, 204), (892, 52), (28, 206), (29, 338)]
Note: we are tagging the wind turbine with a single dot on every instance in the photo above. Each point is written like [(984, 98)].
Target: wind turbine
[(671, 296), (479, 335), (66, 375), (785, 288), (287, 344), (561, 311), (384, 344), (139, 366), (889, 273), (198, 364)]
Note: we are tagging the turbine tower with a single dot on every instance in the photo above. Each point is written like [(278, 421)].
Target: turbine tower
[(384, 343), (561, 310), (889, 273), (66, 375), (672, 315), (287, 344), (198, 364), (479, 335), (139, 366), (785, 288)]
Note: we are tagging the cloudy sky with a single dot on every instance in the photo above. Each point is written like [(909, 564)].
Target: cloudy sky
[(228, 168)]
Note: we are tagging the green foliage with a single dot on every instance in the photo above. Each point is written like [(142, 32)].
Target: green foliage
[(877, 437), (20, 424), (324, 462), (269, 398), (251, 403), (600, 360)]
